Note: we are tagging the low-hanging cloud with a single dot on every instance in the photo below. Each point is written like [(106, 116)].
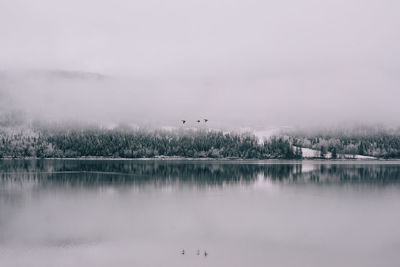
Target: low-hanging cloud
[(238, 63)]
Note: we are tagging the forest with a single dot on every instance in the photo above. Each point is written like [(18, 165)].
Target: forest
[(41, 141), (47, 142), (379, 143)]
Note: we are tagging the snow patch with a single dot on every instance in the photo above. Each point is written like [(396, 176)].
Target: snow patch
[(313, 153)]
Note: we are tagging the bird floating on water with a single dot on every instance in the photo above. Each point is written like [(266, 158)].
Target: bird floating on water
[(205, 253), (198, 121), (183, 121), (205, 120), (183, 252)]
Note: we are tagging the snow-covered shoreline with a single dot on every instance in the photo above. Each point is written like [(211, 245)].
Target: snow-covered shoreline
[(350, 159), (309, 153)]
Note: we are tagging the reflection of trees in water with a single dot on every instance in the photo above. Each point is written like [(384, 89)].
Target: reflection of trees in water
[(210, 173), (377, 174), (95, 172), (281, 172)]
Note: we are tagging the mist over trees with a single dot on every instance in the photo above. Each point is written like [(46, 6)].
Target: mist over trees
[(48, 142), (73, 141)]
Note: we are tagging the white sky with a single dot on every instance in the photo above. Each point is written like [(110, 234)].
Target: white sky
[(240, 62)]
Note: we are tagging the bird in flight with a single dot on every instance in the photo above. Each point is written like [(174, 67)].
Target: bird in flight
[(183, 121)]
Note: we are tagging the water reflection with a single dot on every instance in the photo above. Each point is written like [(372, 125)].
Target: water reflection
[(143, 213), (204, 173)]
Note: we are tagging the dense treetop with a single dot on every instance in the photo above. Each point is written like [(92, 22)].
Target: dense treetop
[(128, 143), (124, 142)]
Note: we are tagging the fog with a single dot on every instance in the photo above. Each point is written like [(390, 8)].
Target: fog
[(237, 63)]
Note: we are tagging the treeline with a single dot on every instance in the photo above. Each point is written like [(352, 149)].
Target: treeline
[(127, 143), (380, 145), (71, 142)]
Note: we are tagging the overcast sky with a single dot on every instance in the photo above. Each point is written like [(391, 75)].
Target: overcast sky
[(236, 62)]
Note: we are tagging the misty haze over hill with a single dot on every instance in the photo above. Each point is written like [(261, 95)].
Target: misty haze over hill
[(96, 98), (237, 63)]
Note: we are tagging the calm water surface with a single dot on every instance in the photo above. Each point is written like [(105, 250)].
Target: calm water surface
[(143, 213)]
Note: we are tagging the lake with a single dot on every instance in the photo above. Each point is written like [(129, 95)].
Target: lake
[(242, 213)]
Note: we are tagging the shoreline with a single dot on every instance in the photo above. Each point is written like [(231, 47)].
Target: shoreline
[(206, 159)]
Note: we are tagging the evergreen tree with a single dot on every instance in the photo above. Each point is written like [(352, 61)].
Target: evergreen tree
[(323, 151), (334, 153)]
